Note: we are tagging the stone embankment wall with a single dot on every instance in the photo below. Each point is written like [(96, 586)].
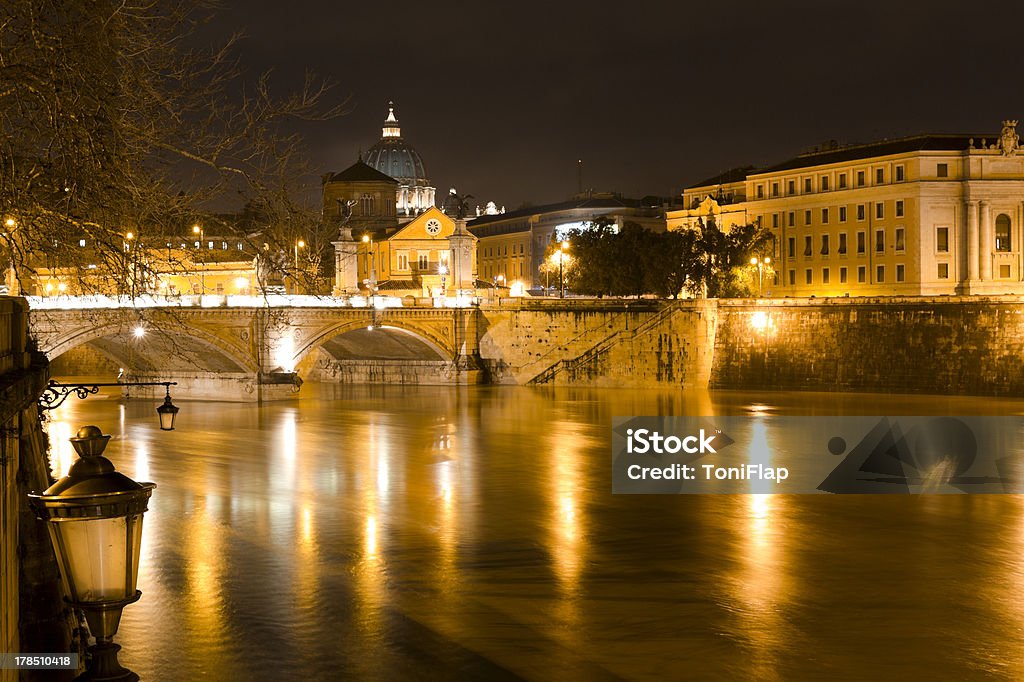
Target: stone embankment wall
[(938, 345), (597, 342), (33, 618)]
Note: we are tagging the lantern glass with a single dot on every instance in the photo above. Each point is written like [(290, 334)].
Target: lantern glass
[(106, 575), (167, 413)]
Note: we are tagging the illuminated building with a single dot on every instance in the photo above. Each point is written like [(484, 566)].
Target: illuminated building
[(923, 215), (511, 245)]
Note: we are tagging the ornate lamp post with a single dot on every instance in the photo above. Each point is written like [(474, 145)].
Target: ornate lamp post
[(300, 244), (56, 393), (94, 516), (760, 264), (442, 270), (371, 266)]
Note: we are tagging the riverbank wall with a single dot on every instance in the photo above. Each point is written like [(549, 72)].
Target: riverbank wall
[(937, 345)]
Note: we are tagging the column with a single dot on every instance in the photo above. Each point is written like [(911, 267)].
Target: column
[(972, 241), (346, 275), (988, 240)]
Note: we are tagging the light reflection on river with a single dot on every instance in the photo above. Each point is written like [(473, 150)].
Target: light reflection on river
[(418, 533)]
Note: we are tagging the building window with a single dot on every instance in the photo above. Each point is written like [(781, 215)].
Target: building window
[(403, 261), (880, 274), (899, 174), (366, 205), (1004, 271), (861, 213), (861, 243), (824, 216), (842, 181), (1003, 232), (842, 275), (760, 191), (807, 185), (808, 246), (900, 273), (792, 247), (842, 244), (808, 276), (807, 217), (775, 189), (942, 239), (879, 176), (775, 220), (791, 218), (943, 271), (879, 211), (942, 170), (824, 183), (862, 274), (423, 260), (824, 245), (879, 241), (899, 208), (900, 242), (842, 214), (860, 178), (792, 278), (791, 187), (81, 242), (824, 275)]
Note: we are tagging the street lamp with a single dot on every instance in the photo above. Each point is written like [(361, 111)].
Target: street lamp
[(760, 264), (129, 264), (198, 230), (442, 269), (371, 265), (94, 517), (300, 244), (561, 257)]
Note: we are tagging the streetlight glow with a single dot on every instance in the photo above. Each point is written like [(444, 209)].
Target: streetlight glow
[(139, 332)]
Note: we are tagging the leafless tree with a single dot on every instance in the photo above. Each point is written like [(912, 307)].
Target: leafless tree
[(115, 119)]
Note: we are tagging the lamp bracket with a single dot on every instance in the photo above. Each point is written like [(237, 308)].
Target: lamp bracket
[(56, 393)]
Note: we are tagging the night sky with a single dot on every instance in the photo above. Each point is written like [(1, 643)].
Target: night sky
[(502, 99)]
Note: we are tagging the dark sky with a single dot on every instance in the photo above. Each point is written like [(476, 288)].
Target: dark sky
[(501, 99)]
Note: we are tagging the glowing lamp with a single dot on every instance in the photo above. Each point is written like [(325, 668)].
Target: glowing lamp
[(94, 517), (167, 412)]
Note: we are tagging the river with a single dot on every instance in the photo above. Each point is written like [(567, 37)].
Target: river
[(389, 532)]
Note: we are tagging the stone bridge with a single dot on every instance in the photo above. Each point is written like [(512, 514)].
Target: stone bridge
[(255, 353)]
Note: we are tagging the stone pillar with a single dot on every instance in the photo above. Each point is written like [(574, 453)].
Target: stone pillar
[(988, 240), (972, 242), (346, 275), (462, 244)]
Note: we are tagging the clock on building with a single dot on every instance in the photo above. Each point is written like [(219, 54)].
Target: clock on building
[(433, 226)]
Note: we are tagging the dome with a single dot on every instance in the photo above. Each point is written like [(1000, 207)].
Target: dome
[(393, 156), (396, 158)]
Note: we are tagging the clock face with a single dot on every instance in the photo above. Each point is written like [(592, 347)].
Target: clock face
[(433, 226)]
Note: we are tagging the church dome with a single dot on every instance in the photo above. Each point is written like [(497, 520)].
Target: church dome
[(393, 156)]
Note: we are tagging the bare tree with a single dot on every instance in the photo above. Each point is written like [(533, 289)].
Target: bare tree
[(116, 130)]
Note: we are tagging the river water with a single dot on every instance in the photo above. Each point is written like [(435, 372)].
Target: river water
[(388, 532)]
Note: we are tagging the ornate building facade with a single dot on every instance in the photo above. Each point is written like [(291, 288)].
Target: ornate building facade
[(923, 215)]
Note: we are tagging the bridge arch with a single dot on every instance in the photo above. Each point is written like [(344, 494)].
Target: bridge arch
[(441, 347), (197, 343)]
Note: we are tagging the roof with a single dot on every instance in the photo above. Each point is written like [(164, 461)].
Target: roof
[(838, 154), (397, 158), (732, 175), (591, 202), (360, 172)]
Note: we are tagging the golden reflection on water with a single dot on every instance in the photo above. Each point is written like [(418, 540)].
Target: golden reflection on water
[(203, 601)]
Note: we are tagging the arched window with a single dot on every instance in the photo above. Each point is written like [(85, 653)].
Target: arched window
[(1003, 232), (366, 205)]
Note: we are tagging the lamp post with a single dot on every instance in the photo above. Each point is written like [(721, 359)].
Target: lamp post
[(94, 517), (55, 393), (760, 264), (129, 264), (442, 270), (371, 265), (300, 244), (11, 277), (561, 257), (198, 230)]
